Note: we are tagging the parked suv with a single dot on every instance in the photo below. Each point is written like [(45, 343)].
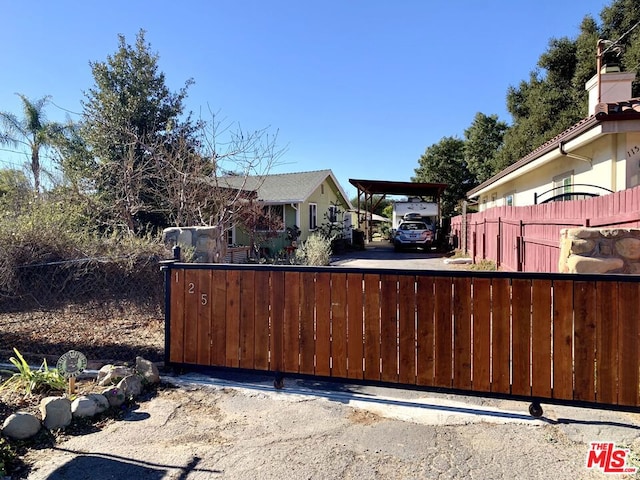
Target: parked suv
[(412, 234)]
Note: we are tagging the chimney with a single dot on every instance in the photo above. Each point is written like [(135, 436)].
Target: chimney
[(616, 86)]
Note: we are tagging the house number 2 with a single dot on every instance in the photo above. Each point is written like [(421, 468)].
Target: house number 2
[(203, 296), (204, 299)]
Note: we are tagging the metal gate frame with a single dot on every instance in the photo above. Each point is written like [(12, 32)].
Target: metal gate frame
[(543, 338)]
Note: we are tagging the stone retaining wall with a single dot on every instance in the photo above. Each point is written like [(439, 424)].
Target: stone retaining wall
[(594, 250)]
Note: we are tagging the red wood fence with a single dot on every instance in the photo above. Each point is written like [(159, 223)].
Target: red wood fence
[(528, 238), (561, 338)]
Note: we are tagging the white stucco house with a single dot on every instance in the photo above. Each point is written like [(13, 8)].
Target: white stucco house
[(598, 155)]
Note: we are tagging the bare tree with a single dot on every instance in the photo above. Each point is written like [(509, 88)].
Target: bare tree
[(215, 185)]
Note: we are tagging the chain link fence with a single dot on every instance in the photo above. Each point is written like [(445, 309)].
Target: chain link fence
[(112, 310)]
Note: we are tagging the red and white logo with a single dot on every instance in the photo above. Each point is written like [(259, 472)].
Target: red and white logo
[(605, 457)]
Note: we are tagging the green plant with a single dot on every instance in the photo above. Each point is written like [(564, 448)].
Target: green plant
[(316, 250), (7, 457), (30, 381)]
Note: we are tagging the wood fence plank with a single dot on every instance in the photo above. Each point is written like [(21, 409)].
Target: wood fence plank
[(323, 324), (191, 316), (425, 331), (407, 329), (355, 349), (277, 321), (462, 333), (291, 330), (218, 354), (563, 339), (607, 332), (541, 339), (500, 302), (204, 317), (389, 328), (233, 319), (481, 334), (261, 309), (247, 319), (307, 330), (443, 333), (584, 319), (628, 307), (339, 325), (177, 320), (521, 336), (372, 326)]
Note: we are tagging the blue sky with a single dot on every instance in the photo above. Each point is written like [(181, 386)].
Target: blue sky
[(360, 87)]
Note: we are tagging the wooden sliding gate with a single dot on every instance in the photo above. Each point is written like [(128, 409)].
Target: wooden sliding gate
[(544, 337)]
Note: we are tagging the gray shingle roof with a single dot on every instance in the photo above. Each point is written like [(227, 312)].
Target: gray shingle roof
[(281, 188)]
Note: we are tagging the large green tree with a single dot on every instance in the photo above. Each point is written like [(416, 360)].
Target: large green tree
[(129, 114), (32, 132), (444, 162), (621, 30), (483, 140)]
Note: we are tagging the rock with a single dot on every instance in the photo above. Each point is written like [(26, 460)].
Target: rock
[(102, 404), (56, 412), (20, 426), (147, 370), (578, 264), (583, 233), (115, 396), (89, 405), (83, 407), (582, 246), (629, 248), (112, 374), (131, 386)]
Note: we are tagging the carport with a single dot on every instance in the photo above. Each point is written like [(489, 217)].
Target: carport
[(368, 188)]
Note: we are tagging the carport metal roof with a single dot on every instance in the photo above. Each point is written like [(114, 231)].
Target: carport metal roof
[(384, 187)]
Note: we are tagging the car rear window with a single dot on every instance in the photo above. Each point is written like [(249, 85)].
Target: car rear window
[(413, 226)]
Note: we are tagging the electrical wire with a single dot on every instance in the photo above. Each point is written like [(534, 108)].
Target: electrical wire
[(614, 44)]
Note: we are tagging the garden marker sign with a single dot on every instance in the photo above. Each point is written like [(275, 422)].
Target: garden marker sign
[(70, 365)]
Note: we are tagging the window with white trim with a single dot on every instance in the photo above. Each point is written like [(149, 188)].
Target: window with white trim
[(509, 199), (563, 184), (313, 216), (332, 214)]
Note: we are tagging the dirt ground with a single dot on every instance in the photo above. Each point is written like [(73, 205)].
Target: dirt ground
[(208, 428)]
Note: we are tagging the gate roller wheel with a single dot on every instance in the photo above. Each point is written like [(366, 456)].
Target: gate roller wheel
[(278, 382), (535, 410)]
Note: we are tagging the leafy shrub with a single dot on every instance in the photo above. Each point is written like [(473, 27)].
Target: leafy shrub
[(316, 250), (30, 381)]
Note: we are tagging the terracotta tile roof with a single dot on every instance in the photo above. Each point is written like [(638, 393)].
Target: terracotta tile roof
[(619, 108)]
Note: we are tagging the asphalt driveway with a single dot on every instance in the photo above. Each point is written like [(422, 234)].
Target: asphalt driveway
[(380, 254)]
